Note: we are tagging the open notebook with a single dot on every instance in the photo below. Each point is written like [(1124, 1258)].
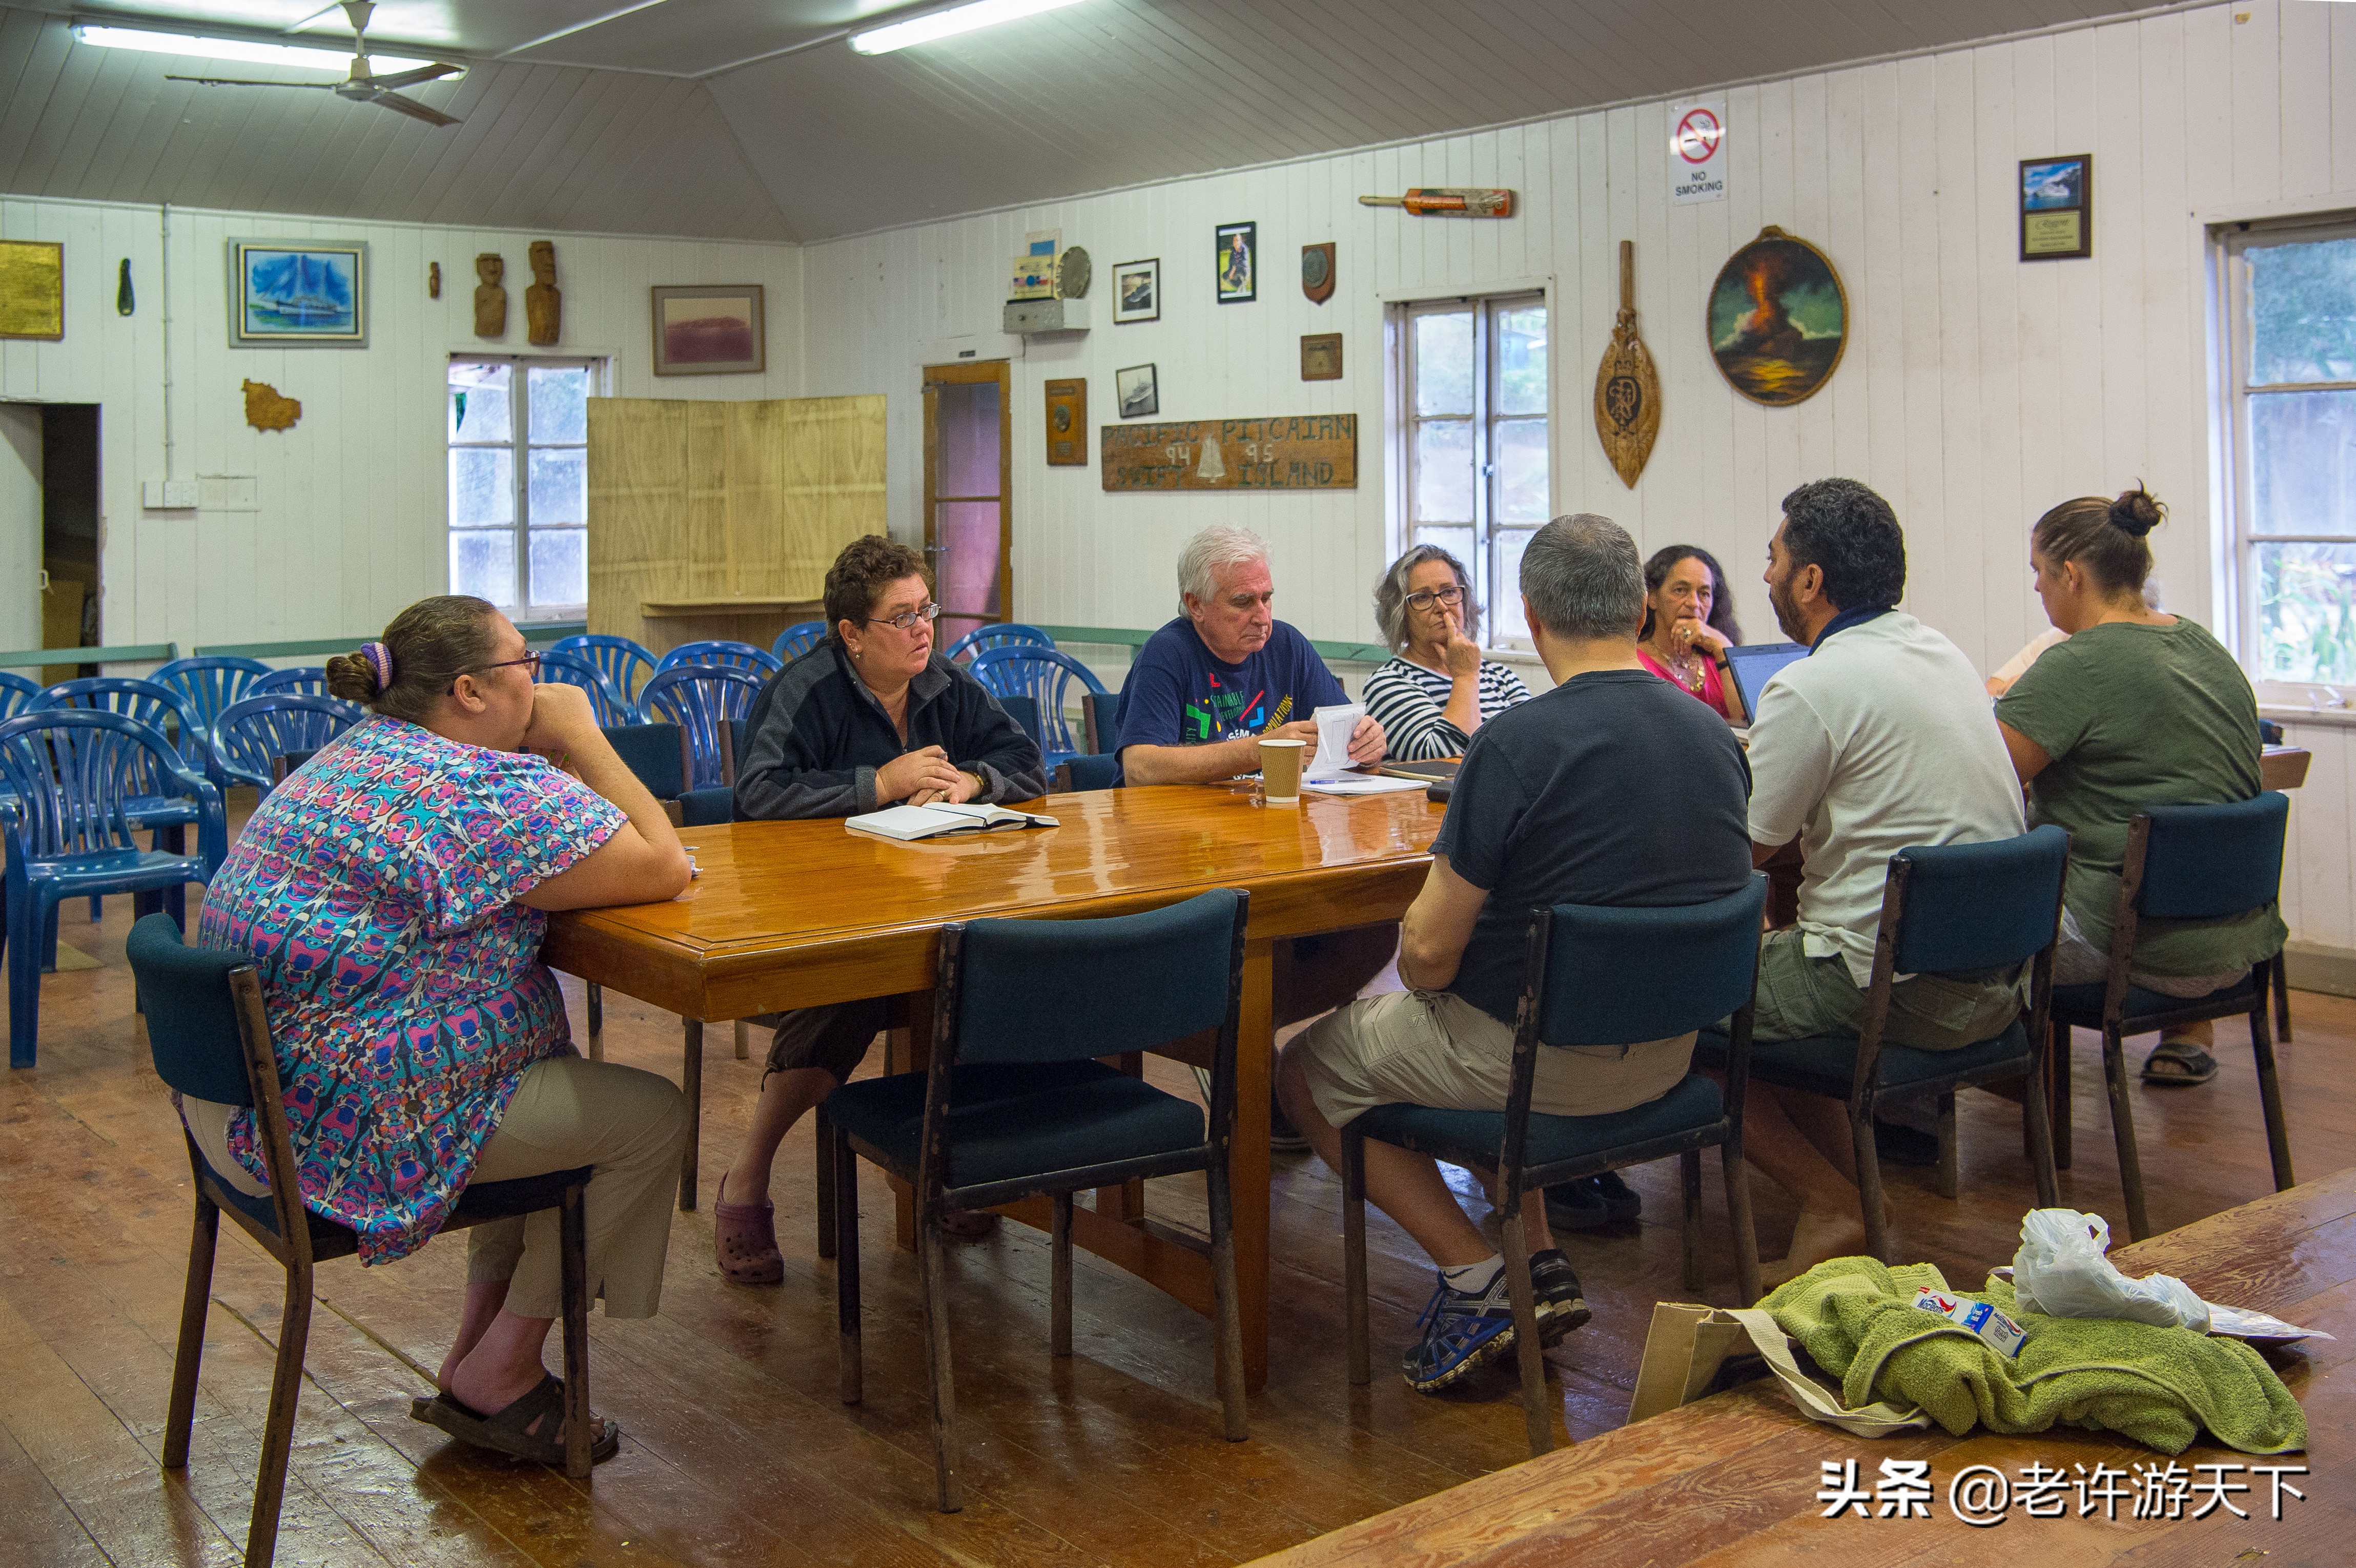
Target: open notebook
[(906, 822)]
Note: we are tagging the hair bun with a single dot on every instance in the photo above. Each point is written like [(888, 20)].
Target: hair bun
[(2136, 511)]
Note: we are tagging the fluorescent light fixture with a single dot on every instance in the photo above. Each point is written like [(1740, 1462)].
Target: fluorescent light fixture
[(948, 23), (334, 62)]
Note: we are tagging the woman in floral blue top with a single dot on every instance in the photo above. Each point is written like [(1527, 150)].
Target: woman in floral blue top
[(391, 893)]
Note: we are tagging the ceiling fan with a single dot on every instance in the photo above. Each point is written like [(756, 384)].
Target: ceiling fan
[(360, 87)]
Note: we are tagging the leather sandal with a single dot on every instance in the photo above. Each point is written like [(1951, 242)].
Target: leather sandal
[(2180, 1064), (745, 1240), (509, 1430)]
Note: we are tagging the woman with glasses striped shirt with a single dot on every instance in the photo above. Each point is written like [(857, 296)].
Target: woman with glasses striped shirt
[(1436, 689)]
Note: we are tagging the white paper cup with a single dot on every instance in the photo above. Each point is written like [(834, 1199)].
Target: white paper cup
[(1280, 770)]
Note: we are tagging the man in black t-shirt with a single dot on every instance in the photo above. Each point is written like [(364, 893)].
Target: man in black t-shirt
[(1613, 788)]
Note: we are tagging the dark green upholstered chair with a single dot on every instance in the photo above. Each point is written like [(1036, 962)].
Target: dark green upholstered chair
[(209, 1041), (1577, 990), (2193, 863), (1014, 1105)]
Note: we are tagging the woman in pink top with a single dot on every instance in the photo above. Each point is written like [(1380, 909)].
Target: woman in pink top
[(1688, 625)]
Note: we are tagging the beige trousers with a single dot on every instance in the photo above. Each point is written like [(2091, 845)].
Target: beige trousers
[(628, 1126)]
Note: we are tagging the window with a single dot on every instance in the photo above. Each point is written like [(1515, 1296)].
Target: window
[(1473, 374), (2292, 382), (519, 484)]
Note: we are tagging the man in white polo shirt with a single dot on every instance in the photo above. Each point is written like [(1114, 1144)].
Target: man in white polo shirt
[(1881, 739)]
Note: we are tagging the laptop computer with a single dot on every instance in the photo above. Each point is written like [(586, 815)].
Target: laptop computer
[(1753, 664)]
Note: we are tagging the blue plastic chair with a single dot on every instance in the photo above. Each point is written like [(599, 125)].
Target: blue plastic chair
[(798, 639), (1006, 634), (566, 666), (307, 680), (2194, 863), (1013, 1104), (1046, 676), (726, 655), (15, 692), (156, 807), (211, 1041), (700, 698), (71, 831), (621, 660), (252, 737), (204, 686), (1584, 984)]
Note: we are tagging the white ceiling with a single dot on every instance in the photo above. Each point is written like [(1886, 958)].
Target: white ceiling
[(683, 116)]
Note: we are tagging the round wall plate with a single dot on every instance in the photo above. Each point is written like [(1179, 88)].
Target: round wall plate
[(1071, 274)]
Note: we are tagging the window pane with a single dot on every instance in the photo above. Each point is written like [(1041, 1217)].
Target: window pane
[(2306, 611), (1522, 493), (559, 403), (482, 484), (2303, 312), (559, 486), (1443, 363), (478, 403), (560, 566), (2303, 463), (482, 562), (1443, 470), (1522, 360), (1505, 623)]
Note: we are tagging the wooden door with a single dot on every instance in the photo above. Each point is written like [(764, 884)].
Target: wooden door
[(968, 453)]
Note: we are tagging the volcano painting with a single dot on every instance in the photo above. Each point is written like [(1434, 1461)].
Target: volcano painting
[(1778, 319), (706, 330), (298, 292)]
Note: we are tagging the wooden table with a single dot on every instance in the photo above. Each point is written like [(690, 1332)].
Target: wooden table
[(794, 915), (1732, 1478)]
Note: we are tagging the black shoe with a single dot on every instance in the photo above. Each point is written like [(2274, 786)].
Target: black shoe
[(1560, 1306), (1895, 1144), (1590, 1201), (1620, 1201), (1283, 1138)]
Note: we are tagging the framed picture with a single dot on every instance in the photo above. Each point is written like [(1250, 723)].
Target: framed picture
[(32, 288), (1139, 391), (709, 329), (1137, 292), (1067, 424), (298, 293), (1321, 356), (1778, 319), (2057, 207), (1238, 262)]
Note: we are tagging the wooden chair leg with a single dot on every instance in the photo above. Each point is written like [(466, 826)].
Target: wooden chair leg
[(2282, 998), (1737, 1171), (933, 1266), (1228, 1358), (2270, 1098), (691, 1088), (1354, 1255), (2038, 1124), (196, 1299), (743, 1040), (2057, 1051), (852, 1368), (573, 1236), (1947, 1159), (597, 1021), (825, 1185), (1538, 1419), (1059, 1288), (2114, 1078), (1868, 1183), (1689, 1181), (278, 1430)]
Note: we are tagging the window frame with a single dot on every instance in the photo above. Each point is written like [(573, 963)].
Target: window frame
[(1485, 420), (523, 611), (2237, 487)]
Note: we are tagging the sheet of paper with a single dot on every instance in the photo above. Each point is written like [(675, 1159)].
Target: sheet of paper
[(1334, 726), (1352, 783)]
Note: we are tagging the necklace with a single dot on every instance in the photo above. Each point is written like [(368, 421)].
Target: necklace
[(1685, 666)]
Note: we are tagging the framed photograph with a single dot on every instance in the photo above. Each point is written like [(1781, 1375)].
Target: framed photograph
[(32, 288), (1137, 292), (1239, 264), (298, 293), (2057, 207), (1778, 319), (709, 329), (1067, 424), (1139, 391), (1321, 356)]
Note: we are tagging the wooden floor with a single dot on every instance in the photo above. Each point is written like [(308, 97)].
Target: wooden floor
[(735, 1447)]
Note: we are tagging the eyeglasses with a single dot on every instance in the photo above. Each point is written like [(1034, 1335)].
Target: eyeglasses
[(1452, 597), (531, 661), (906, 619)]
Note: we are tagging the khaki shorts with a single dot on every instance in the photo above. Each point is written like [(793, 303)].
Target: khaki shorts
[(1799, 996), (834, 1037), (1433, 1048)]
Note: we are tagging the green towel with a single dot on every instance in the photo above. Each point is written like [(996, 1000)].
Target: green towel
[(2158, 1386)]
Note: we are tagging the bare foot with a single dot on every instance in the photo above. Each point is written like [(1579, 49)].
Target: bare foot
[(1817, 1238)]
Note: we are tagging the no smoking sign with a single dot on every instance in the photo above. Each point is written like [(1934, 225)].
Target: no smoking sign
[(1698, 151)]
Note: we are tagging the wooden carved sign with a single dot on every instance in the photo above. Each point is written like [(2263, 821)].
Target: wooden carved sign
[(1316, 452), (1627, 392)]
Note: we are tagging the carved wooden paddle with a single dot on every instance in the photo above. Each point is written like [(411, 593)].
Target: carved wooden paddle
[(1627, 392)]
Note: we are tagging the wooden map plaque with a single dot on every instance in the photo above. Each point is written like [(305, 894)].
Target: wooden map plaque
[(1314, 452)]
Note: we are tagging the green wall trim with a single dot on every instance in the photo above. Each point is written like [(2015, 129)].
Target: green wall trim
[(127, 653), (1124, 636), (533, 632)]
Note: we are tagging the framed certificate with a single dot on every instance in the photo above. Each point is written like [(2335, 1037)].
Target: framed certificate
[(2057, 207)]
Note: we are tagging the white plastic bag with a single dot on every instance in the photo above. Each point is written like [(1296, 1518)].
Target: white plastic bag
[(2060, 1272)]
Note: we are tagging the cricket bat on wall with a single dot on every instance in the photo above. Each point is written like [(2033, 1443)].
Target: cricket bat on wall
[(1435, 201)]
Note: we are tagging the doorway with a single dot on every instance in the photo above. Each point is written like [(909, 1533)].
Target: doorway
[(968, 449)]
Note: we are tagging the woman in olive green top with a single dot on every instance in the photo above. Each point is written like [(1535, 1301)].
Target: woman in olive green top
[(2136, 708)]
